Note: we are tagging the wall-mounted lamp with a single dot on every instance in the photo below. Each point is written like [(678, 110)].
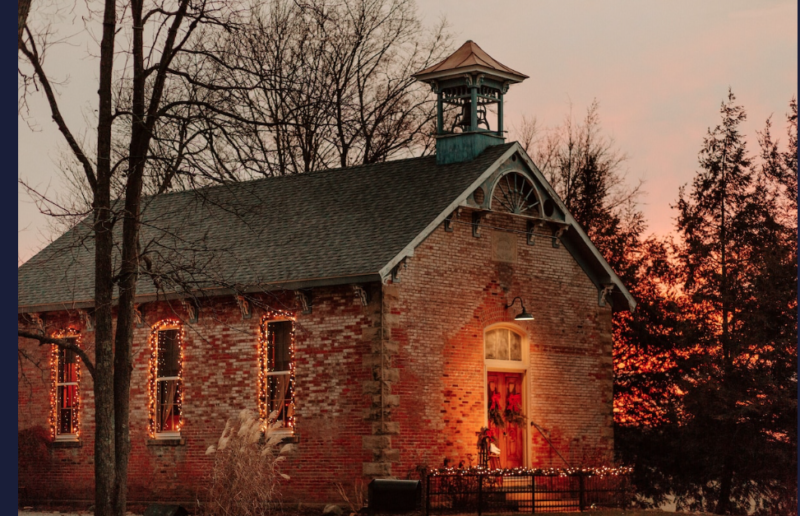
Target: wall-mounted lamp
[(523, 315)]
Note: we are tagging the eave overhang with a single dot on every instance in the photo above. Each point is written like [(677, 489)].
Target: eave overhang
[(214, 292), (472, 69), (577, 242)]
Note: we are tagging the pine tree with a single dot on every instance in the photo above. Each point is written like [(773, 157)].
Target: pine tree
[(725, 328)]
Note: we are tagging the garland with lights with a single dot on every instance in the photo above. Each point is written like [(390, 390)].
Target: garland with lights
[(495, 414), (263, 367), (513, 413), (603, 471), (67, 333), (152, 383)]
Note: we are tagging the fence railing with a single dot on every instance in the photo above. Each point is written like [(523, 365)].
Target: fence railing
[(477, 491)]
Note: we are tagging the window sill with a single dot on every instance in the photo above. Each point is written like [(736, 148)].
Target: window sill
[(290, 439), (63, 443), (172, 441), (285, 438)]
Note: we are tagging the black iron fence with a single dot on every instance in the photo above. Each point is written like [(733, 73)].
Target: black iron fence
[(477, 491)]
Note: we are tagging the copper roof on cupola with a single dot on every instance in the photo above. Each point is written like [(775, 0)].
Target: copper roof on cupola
[(469, 58)]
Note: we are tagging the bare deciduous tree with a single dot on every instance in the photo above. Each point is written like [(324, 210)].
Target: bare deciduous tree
[(137, 45), (192, 93), (333, 81), (23, 7), (585, 168)]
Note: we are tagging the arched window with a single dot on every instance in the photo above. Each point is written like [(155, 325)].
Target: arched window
[(503, 344), (514, 193), (166, 379), (65, 398), (276, 370)]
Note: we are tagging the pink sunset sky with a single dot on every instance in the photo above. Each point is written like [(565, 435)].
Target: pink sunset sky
[(658, 69)]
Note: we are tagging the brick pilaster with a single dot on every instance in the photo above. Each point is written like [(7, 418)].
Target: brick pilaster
[(383, 349)]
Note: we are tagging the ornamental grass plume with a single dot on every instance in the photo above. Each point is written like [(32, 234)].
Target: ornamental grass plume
[(359, 499), (245, 477)]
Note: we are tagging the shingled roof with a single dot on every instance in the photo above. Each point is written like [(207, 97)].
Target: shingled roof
[(298, 229), (468, 57)]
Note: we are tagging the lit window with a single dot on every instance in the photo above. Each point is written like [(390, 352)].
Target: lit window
[(276, 370), (65, 399), (503, 344), (166, 369)]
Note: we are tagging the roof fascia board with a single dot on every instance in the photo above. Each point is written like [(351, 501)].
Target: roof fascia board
[(576, 255), (409, 249), (54, 307), (215, 292), (575, 226), (432, 76)]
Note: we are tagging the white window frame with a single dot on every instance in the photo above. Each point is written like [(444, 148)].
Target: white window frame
[(59, 436), (287, 430), (171, 434), (510, 366)]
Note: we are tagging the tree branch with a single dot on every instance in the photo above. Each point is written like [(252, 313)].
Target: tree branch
[(62, 343), (33, 57)]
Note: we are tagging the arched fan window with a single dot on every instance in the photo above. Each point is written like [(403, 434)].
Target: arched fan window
[(503, 344), (515, 194)]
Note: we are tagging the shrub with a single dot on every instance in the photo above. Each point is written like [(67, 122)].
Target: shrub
[(245, 476)]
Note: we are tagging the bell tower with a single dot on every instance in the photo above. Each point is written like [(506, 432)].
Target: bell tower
[(471, 80)]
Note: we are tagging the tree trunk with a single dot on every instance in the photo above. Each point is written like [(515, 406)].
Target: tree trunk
[(23, 6), (104, 374), (129, 270), (725, 486), (123, 364), (104, 471), (123, 358), (727, 363)]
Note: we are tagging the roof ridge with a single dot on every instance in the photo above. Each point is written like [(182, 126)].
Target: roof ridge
[(328, 226), (284, 176)]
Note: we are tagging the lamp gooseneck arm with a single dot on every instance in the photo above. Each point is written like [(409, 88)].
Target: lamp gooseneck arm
[(514, 300)]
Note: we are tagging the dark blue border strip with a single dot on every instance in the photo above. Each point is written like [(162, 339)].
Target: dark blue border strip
[(8, 279)]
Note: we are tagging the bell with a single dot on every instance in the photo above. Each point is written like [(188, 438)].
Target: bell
[(463, 120), (482, 117)]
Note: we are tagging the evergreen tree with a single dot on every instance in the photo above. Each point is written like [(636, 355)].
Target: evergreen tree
[(724, 330)]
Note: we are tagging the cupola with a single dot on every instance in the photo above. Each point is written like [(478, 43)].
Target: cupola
[(472, 80)]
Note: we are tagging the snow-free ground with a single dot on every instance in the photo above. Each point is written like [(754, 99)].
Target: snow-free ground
[(612, 512), (27, 512)]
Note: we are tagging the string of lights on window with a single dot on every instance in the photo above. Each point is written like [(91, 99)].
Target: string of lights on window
[(263, 368), (67, 333), (603, 471), (152, 383)]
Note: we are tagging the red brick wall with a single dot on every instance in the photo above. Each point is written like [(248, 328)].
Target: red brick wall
[(220, 379), (45, 471), (449, 293), (433, 323)]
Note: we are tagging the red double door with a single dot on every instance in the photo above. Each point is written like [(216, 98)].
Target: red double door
[(505, 391)]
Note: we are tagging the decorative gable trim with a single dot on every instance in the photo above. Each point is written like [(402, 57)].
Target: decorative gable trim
[(408, 250), (581, 235), (461, 200)]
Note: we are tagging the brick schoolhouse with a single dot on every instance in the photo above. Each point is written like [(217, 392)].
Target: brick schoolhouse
[(381, 315)]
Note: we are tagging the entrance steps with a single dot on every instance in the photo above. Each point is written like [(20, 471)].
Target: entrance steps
[(516, 491)]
